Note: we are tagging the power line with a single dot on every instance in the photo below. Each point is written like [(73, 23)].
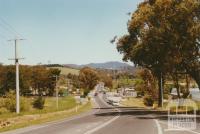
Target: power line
[(9, 25), (6, 29), (9, 28)]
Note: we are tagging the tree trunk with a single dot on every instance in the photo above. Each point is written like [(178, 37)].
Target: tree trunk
[(195, 74), (176, 83), (187, 83)]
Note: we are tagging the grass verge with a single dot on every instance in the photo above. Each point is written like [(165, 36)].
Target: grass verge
[(29, 120)]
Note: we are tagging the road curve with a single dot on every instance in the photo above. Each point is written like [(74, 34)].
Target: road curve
[(106, 119)]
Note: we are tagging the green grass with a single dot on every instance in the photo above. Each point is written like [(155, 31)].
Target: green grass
[(123, 82), (66, 70), (133, 102), (43, 118), (65, 103)]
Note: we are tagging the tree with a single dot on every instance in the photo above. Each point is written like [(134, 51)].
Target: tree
[(88, 78), (25, 80), (7, 79), (105, 78), (40, 79), (52, 74), (149, 83), (162, 33)]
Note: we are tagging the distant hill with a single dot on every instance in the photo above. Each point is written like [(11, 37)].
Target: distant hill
[(112, 65), (67, 70), (109, 66)]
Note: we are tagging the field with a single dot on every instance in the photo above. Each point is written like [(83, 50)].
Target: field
[(66, 71)]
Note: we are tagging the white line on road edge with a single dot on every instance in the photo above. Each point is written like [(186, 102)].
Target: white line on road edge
[(104, 124), (158, 127)]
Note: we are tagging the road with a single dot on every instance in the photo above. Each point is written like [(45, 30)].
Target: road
[(105, 119)]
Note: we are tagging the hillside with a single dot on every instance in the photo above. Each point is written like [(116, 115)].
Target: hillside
[(113, 65), (66, 70)]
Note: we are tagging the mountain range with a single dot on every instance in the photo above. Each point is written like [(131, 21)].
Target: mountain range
[(112, 65)]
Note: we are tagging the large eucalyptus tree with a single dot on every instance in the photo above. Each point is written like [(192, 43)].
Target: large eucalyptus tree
[(164, 36)]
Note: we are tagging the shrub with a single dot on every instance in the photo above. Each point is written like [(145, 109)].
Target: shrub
[(10, 103), (39, 103), (3, 110), (24, 104), (185, 94), (148, 100), (61, 92)]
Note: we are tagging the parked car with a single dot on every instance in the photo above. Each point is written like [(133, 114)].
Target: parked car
[(96, 94)]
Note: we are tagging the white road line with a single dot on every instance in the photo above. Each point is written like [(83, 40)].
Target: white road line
[(104, 124), (101, 126), (158, 127)]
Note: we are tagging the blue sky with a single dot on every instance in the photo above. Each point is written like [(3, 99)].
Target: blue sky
[(63, 31)]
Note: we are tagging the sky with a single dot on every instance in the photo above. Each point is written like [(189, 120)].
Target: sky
[(63, 31)]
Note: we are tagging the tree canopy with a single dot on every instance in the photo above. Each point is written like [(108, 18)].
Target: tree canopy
[(33, 79), (164, 36), (88, 78)]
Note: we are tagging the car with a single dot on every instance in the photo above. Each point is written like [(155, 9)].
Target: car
[(96, 94)]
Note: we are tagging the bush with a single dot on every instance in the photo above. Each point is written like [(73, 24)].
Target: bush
[(148, 100), (185, 94), (3, 110), (24, 104), (39, 103), (10, 103), (61, 92), (85, 93)]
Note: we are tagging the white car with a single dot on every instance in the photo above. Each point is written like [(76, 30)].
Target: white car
[(115, 101)]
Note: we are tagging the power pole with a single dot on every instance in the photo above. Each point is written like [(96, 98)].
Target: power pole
[(56, 76), (161, 85), (17, 75)]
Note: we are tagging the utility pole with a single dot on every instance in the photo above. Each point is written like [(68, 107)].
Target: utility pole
[(17, 75), (161, 85), (56, 76)]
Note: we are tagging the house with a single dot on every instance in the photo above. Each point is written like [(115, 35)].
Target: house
[(174, 92), (127, 92), (130, 92)]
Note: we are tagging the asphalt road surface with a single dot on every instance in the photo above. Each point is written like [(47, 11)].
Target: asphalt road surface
[(106, 119)]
